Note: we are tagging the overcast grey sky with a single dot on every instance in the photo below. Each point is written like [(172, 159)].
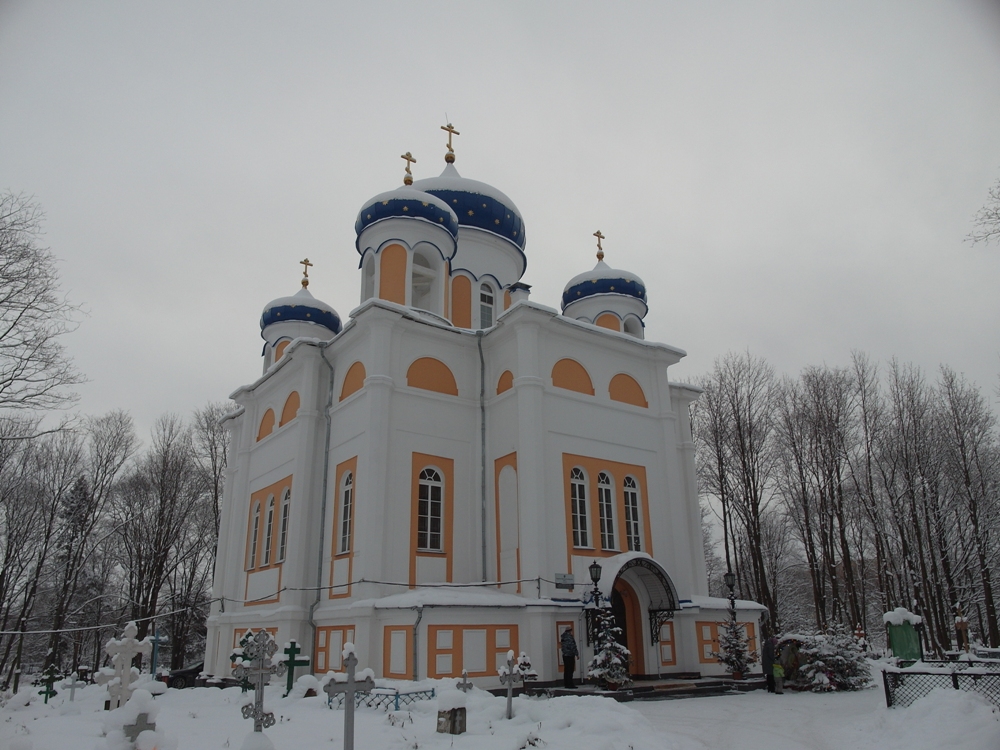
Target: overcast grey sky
[(792, 178)]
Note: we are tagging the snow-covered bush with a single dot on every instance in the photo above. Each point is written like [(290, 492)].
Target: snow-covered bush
[(824, 662), (611, 658)]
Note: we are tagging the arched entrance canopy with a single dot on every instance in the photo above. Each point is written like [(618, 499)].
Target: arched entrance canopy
[(653, 578)]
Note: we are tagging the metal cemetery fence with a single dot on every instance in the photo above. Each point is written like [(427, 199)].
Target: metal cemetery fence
[(387, 698), (905, 688)]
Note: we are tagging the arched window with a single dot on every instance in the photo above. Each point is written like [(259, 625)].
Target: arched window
[(268, 529), (283, 531), (485, 306), (347, 512), (632, 515), (606, 509), (254, 532), (429, 511), (426, 282), (578, 509)]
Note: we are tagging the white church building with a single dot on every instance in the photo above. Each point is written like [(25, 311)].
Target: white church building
[(418, 480)]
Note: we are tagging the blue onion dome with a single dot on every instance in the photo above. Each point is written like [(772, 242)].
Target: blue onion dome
[(477, 204), (603, 279), (301, 306), (407, 202)]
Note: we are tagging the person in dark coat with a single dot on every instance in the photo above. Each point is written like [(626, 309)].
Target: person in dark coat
[(569, 653), (767, 661)]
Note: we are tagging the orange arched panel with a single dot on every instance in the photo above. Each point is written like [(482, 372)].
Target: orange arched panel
[(626, 389), (354, 380), (392, 274), (506, 382), (266, 425), (431, 375), (572, 376), (290, 409), (506, 299), (279, 350), (461, 302), (609, 320)]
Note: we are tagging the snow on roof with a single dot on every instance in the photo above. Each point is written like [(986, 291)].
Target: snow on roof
[(900, 615), (718, 602), (455, 596)]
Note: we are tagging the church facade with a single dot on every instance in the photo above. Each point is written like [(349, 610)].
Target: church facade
[(428, 479)]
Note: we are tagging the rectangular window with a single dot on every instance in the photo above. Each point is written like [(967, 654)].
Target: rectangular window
[(268, 528), (578, 501), (668, 657), (429, 511), (346, 513), (253, 539), (605, 507), (283, 534), (632, 515)]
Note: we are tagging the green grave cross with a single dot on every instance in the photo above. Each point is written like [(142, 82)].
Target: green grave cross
[(50, 678), (291, 662)]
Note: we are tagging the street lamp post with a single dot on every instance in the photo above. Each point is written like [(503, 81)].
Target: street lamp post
[(730, 579), (595, 576)]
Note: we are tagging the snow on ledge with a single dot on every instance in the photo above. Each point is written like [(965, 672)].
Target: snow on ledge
[(717, 602)]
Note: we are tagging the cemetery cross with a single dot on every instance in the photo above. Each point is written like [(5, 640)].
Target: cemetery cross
[(464, 685), (72, 683), (132, 731), (349, 688), (50, 677), (291, 662), (256, 666), (122, 652)]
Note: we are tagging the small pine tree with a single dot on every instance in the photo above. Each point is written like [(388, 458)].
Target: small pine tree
[(734, 651), (610, 662)]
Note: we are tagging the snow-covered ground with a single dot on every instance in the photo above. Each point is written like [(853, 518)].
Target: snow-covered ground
[(208, 718)]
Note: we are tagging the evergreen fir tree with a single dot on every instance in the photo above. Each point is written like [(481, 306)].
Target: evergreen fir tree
[(611, 658), (734, 651)]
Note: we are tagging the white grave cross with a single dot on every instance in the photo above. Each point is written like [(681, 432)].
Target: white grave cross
[(122, 652), (513, 672), (257, 668), (349, 688), (72, 683)]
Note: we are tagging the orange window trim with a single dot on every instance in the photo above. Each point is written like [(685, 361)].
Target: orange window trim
[(509, 460), (572, 376), (354, 380), (430, 374), (387, 650), (618, 471), (291, 408), (667, 629), (260, 497), (266, 425), (350, 465), (626, 389), (609, 321), (392, 274), (457, 647), (461, 302), (447, 468), (347, 634), (506, 382)]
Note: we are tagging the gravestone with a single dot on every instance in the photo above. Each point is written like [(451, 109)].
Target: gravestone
[(256, 667), (513, 672), (349, 688), (142, 724), (72, 683), (47, 681), (291, 651), (904, 635), (122, 652), (464, 685)]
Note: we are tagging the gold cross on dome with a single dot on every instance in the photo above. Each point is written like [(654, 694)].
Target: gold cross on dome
[(408, 177), (600, 250), (305, 271), (450, 129)]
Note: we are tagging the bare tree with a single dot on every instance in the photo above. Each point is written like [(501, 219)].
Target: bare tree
[(35, 371), (987, 219)]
